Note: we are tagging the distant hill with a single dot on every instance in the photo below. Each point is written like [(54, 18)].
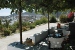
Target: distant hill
[(26, 14)]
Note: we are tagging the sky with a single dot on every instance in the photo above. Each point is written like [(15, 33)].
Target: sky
[(6, 12)]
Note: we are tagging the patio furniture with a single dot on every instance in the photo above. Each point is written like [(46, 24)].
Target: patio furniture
[(63, 32), (56, 42), (57, 35), (66, 34), (52, 30)]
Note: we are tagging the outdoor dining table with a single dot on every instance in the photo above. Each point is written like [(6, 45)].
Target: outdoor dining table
[(56, 42), (58, 37)]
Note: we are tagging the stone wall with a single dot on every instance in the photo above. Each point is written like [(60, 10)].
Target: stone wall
[(38, 37)]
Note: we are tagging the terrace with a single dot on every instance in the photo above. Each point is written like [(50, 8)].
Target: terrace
[(57, 39)]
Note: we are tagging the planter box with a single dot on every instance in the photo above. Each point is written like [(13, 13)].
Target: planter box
[(38, 37)]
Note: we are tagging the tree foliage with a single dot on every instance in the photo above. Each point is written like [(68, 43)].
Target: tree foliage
[(38, 5)]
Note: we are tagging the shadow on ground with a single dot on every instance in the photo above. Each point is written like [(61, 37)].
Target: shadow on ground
[(43, 45), (16, 45)]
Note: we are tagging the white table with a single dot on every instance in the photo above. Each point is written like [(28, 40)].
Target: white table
[(56, 42)]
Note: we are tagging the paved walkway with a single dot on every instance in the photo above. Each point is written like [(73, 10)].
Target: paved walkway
[(4, 42)]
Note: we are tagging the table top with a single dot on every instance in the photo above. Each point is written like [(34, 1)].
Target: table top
[(56, 42), (56, 35)]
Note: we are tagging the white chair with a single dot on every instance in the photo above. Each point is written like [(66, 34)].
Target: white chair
[(66, 33)]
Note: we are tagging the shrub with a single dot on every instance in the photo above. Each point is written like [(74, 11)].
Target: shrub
[(66, 47), (53, 19), (32, 26), (24, 29), (1, 27), (25, 23), (16, 24), (44, 20), (63, 18), (41, 21), (38, 22), (13, 28), (7, 32), (6, 23), (0, 21)]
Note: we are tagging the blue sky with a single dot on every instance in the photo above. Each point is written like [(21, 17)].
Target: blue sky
[(6, 12)]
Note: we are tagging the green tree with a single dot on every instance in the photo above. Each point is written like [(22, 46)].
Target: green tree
[(15, 5)]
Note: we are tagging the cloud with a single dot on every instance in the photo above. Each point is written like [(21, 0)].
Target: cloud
[(5, 12)]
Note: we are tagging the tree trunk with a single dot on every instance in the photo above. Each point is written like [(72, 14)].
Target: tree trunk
[(20, 22), (48, 31), (48, 23)]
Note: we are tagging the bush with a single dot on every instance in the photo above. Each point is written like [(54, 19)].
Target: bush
[(0, 21), (53, 19), (24, 29), (41, 21), (25, 23), (7, 32), (16, 24), (66, 47), (12, 28), (63, 18), (38, 22), (1, 27), (44, 20), (32, 26)]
